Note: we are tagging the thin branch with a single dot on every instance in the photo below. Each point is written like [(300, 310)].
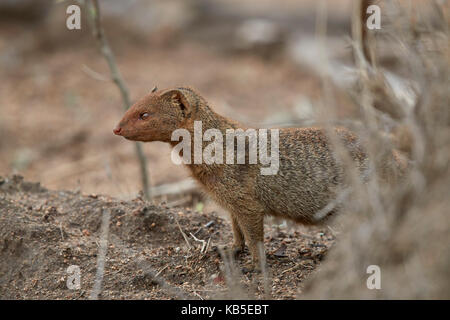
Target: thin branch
[(94, 74), (99, 34), (203, 242), (183, 186), (184, 235)]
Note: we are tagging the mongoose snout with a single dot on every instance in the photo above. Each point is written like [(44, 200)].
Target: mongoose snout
[(117, 130)]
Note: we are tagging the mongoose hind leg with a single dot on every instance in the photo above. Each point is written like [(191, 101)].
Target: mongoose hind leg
[(239, 240), (252, 226)]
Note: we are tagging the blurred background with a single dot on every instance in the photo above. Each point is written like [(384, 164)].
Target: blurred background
[(253, 60), (264, 63), (257, 61)]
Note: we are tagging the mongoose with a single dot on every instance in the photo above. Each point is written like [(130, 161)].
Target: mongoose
[(307, 180)]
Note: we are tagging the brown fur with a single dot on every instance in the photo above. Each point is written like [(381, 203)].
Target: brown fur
[(309, 175)]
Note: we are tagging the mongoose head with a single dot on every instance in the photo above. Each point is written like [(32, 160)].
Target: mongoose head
[(157, 115)]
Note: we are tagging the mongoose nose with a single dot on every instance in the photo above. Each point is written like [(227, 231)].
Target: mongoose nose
[(117, 130)]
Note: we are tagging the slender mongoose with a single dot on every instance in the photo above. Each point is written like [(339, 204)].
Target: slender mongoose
[(307, 179)]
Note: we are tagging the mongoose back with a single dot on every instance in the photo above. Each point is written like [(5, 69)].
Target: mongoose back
[(307, 180)]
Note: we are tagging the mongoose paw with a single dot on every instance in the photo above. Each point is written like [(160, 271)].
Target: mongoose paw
[(251, 268), (232, 252), (236, 250)]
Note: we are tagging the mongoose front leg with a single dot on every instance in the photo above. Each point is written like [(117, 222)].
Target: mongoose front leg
[(252, 226), (239, 241)]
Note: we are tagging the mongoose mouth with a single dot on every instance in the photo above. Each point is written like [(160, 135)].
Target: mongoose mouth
[(127, 134), (117, 131), (133, 137)]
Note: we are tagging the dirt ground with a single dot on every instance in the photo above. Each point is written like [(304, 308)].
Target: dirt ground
[(44, 232)]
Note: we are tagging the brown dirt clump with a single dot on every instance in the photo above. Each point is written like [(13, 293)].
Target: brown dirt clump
[(43, 232)]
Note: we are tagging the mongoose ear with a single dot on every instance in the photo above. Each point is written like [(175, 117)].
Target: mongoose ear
[(177, 97), (155, 88)]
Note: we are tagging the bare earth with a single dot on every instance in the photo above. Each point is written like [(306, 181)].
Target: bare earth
[(44, 232)]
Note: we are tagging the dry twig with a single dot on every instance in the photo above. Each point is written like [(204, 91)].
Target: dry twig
[(99, 34), (183, 234)]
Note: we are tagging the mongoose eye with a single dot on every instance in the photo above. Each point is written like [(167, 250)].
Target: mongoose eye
[(143, 116)]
